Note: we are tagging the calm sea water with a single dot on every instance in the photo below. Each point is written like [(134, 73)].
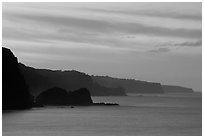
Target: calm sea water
[(164, 114)]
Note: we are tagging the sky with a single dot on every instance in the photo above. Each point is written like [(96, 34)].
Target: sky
[(156, 42)]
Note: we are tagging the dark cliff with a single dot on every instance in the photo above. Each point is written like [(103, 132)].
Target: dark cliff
[(42, 79), (130, 85), (15, 94), (176, 89), (58, 96)]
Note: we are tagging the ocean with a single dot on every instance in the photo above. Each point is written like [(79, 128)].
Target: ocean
[(137, 115)]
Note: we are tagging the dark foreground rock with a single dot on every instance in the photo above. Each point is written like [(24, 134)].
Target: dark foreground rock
[(15, 94), (59, 96)]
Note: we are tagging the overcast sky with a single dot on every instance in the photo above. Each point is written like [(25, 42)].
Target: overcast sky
[(160, 42)]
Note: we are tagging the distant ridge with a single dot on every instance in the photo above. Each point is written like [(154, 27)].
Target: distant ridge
[(42, 79), (176, 89), (130, 85)]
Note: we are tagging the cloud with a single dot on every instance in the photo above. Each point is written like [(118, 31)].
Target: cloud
[(160, 50), (197, 43), (101, 26), (150, 13), (191, 44), (114, 41), (64, 36)]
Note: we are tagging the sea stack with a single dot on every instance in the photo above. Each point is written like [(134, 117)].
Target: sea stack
[(59, 96)]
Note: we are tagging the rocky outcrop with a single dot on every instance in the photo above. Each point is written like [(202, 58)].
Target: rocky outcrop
[(130, 85), (59, 96), (15, 94), (42, 79), (81, 96), (176, 89)]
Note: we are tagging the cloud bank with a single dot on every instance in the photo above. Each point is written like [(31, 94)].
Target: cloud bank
[(110, 33)]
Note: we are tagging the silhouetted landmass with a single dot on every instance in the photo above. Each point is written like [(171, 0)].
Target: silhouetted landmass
[(116, 91), (41, 79), (15, 94), (130, 85), (59, 96), (176, 89)]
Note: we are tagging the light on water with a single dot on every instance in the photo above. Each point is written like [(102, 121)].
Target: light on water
[(136, 115)]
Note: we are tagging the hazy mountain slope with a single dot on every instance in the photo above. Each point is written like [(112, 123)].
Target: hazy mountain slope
[(130, 85), (42, 79), (176, 89)]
